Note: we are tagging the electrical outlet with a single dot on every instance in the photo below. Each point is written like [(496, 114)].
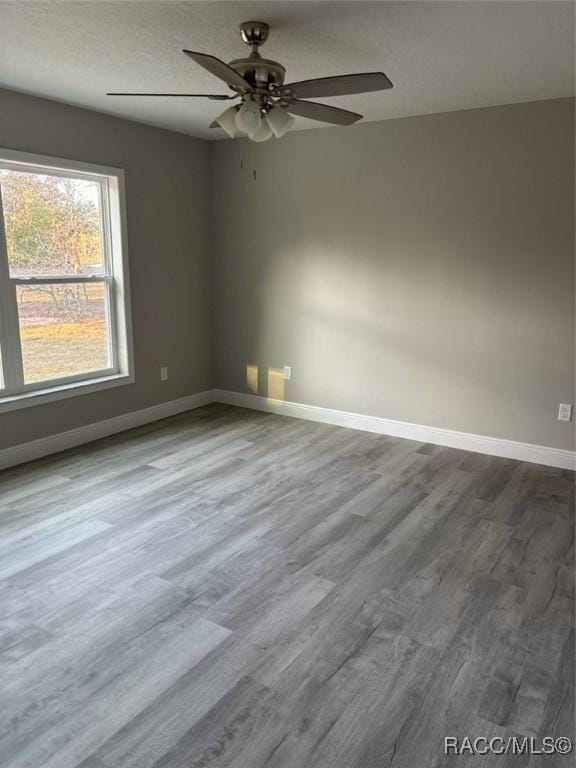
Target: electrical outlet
[(565, 412), (287, 372), (164, 373)]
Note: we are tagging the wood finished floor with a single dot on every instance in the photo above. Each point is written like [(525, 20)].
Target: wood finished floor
[(235, 589)]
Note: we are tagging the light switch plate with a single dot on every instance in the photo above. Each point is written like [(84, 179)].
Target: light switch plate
[(287, 372)]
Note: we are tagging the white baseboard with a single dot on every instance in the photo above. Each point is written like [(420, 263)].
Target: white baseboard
[(35, 449), (493, 446)]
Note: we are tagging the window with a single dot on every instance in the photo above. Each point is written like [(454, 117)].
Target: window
[(64, 310)]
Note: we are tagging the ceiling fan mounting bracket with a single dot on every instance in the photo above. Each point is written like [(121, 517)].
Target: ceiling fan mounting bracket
[(254, 33)]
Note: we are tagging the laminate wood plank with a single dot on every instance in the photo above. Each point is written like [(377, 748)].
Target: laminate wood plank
[(393, 695), (227, 729), (85, 564), (233, 589), (179, 647), (151, 734), (19, 483), (18, 639), (558, 716), (157, 658), (27, 553)]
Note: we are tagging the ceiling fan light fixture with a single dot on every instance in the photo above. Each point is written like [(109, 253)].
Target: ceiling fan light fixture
[(279, 121), (263, 133), (227, 121), (248, 117)]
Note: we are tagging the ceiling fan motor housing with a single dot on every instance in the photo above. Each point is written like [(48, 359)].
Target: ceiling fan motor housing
[(261, 73)]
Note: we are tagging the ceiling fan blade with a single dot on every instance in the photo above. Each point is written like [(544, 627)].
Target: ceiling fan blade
[(340, 85), (220, 69), (326, 114), (215, 97)]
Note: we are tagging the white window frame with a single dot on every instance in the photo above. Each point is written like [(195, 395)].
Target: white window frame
[(14, 393)]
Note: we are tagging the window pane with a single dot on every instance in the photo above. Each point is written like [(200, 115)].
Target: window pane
[(63, 329), (52, 224)]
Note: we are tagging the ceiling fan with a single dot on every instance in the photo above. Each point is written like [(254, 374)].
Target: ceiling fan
[(266, 103)]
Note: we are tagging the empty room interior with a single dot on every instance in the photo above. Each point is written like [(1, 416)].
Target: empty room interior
[(287, 352)]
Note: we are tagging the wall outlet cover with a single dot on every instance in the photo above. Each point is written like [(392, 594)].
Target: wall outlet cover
[(565, 412), (164, 373)]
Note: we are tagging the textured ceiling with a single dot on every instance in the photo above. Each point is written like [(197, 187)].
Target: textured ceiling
[(441, 56)]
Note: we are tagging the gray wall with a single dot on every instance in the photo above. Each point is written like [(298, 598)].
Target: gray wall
[(167, 179), (419, 269)]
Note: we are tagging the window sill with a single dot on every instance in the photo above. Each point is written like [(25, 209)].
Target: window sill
[(63, 391)]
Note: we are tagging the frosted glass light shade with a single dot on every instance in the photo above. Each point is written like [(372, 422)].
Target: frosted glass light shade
[(227, 120), (248, 118), (279, 121), (263, 133)]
